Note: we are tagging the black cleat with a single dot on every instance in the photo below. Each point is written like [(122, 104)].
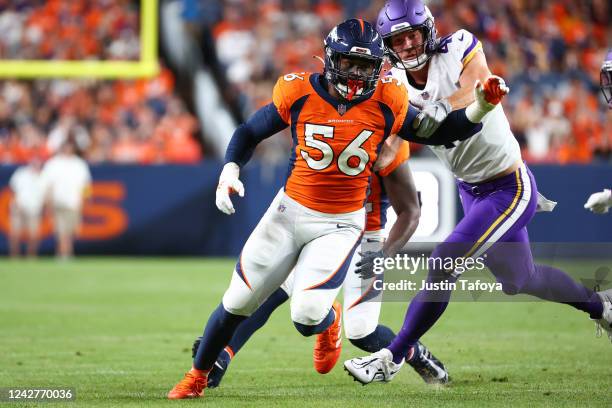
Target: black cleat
[(431, 370)]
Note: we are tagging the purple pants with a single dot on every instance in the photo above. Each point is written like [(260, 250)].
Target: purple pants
[(497, 211), (495, 223)]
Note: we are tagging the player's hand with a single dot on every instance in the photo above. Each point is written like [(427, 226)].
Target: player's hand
[(491, 93), (600, 202), (487, 97), (388, 152), (431, 116), (365, 267), (228, 184)]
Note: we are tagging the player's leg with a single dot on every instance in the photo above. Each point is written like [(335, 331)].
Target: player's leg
[(63, 224), (319, 273), (512, 263), (245, 330), (490, 218), (265, 262), (33, 222), (15, 231), (362, 305)]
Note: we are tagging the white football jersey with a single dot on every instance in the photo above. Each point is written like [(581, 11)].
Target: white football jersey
[(490, 151)]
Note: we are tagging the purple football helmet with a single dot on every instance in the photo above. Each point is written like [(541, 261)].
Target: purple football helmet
[(605, 78), (398, 16)]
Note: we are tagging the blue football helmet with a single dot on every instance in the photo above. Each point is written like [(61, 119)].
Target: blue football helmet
[(358, 41)]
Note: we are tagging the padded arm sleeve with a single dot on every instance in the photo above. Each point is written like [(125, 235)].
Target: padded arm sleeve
[(263, 124), (456, 126)]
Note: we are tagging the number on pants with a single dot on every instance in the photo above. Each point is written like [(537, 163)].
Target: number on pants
[(353, 149)]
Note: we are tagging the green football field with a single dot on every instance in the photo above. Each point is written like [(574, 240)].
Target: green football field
[(119, 331)]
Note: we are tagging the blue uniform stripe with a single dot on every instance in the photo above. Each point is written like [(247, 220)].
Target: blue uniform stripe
[(295, 111), (338, 277), (240, 272)]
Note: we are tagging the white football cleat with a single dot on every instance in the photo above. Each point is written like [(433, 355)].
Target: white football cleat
[(375, 367), (605, 322)]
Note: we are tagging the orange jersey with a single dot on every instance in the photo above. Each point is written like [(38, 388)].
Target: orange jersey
[(378, 202), (335, 143)]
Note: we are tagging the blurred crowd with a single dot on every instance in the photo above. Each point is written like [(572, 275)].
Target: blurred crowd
[(140, 121), (124, 121), (550, 52), (69, 30)]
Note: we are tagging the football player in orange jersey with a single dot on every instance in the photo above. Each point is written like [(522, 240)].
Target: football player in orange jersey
[(391, 184), (338, 122)]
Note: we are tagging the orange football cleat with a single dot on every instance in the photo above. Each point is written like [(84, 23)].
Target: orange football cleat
[(329, 344), (191, 386)]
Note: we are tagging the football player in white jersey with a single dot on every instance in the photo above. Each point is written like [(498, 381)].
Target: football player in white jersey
[(600, 202), (497, 190)]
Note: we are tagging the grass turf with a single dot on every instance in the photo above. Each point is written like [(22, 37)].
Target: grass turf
[(120, 330)]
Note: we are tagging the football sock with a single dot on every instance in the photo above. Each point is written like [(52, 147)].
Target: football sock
[(257, 320), (199, 373), (424, 310), (380, 338), (219, 329), (555, 285), (308, 330)]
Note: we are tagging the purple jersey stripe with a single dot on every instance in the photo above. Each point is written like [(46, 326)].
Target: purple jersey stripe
[(470, 48)]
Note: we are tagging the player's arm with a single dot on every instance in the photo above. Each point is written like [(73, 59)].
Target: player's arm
[(404, 199), (459, 124), (475, 70), (263, 124)]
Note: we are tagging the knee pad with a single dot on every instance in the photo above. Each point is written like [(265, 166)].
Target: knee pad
[(238, 301), (307, 311), (357, 328)]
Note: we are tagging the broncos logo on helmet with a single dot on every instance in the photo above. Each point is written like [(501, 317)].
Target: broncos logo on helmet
[(354, 54)]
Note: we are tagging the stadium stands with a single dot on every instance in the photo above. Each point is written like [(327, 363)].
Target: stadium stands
[(550, 53), (125, 121)]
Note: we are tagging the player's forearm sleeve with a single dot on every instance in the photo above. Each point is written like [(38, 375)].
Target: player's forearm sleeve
[(263, 124), (456, 126)]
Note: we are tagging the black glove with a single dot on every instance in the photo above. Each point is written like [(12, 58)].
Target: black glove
[(365, 267)]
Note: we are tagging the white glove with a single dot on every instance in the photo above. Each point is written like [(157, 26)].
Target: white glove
[(487, 97), (600, 202), (228, 184), (431, 117)]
